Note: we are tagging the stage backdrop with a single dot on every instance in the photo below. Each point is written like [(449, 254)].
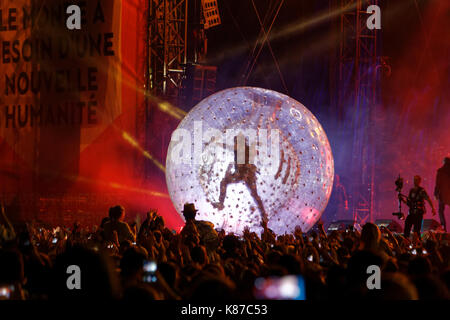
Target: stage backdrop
[(69, 105)]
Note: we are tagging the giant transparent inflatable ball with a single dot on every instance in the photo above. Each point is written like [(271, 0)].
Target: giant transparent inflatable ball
[(247, 155)]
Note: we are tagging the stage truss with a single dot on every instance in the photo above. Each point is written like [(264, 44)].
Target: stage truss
[(168, 27), (358, 86)]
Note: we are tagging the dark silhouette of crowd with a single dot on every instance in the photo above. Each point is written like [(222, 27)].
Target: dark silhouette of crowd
[(201, 263)]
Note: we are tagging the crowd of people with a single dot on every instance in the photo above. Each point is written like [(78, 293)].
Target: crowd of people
[(201, 263)]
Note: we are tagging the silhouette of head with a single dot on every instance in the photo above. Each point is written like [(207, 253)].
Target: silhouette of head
[(419, 266), (395, 286), (337, 179), (104, 220), (132, 262), (430, 288), (212, 289), (11, 267), (99, 280), (116, 213), (189, 211), (358, 264), (370, 235), (169, 271), (417, 180)]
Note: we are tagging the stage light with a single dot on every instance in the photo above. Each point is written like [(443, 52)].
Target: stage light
[(127, 137), (293, 168), (171, 110)]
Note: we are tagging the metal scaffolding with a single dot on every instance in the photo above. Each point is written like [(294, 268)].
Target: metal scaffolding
[(168, 28), (165, 60), (358, 88)]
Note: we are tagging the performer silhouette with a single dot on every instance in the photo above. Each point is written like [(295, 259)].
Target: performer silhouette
[(442, 190), (243, 172), (338, 202), (416, 203)]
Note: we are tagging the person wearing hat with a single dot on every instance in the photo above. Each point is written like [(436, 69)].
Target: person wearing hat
[(442, 190), (189, 211), (205, 229)]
